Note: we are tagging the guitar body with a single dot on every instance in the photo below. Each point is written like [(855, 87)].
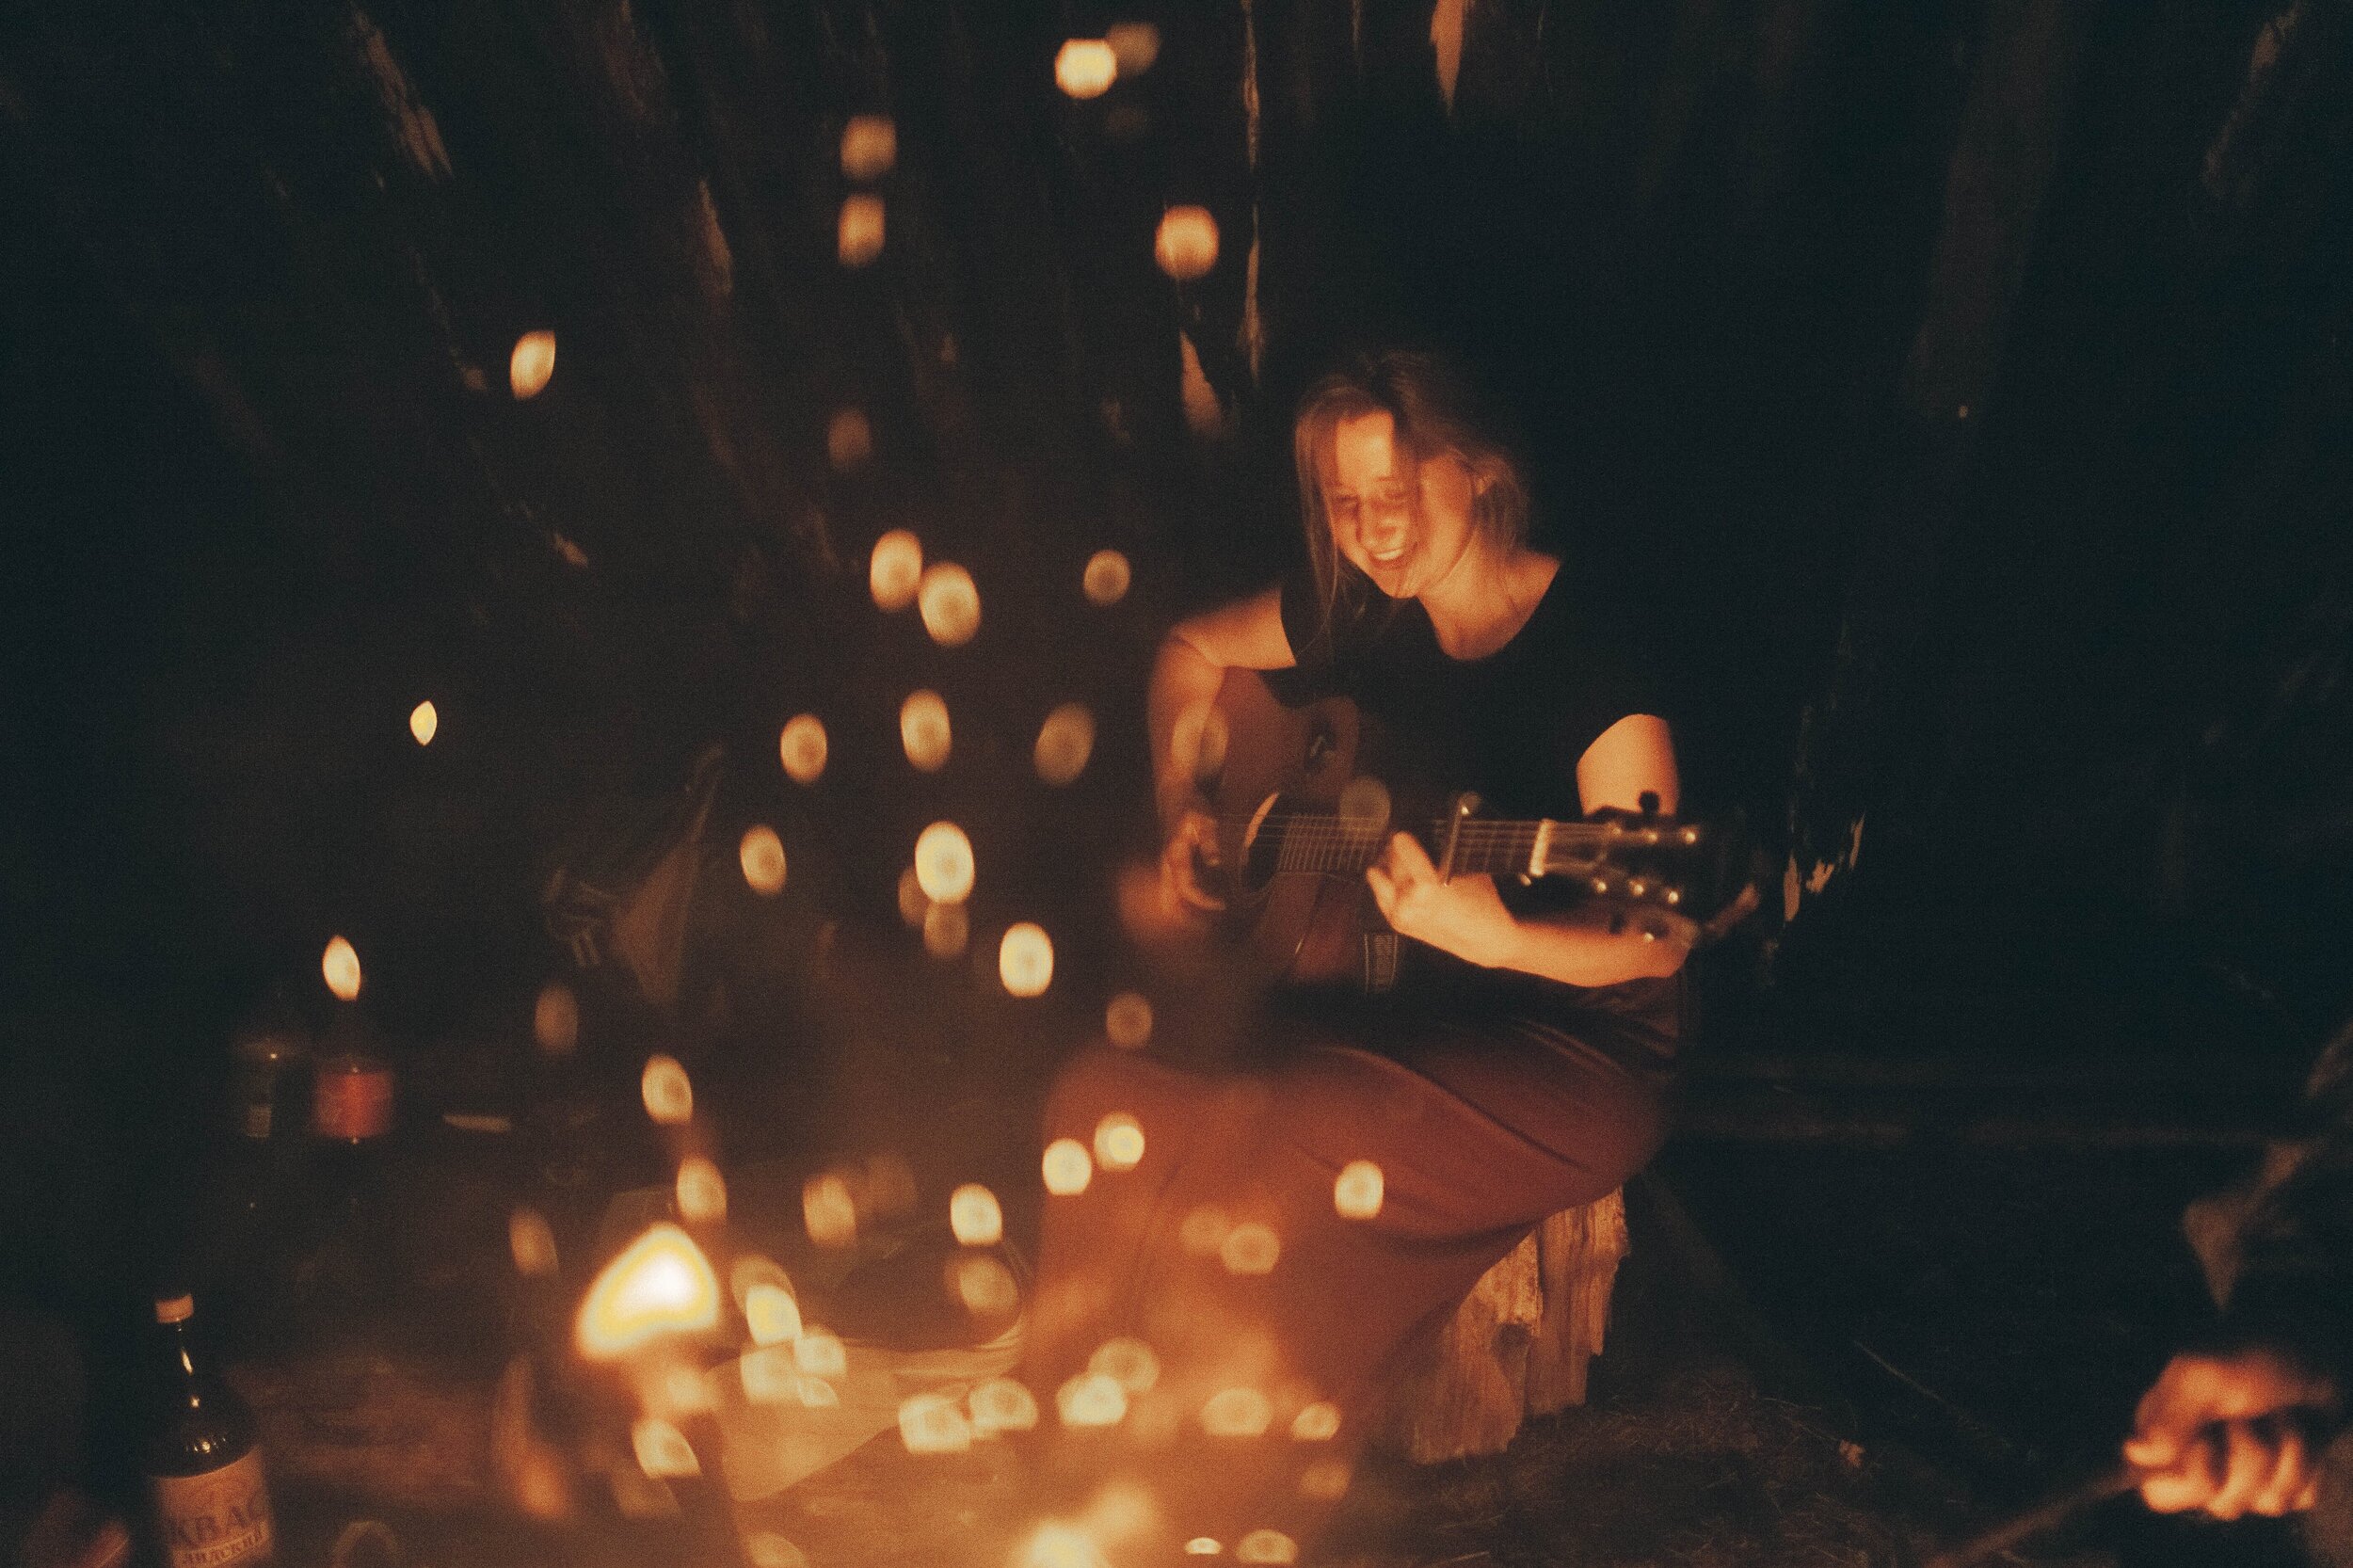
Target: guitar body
[(1294, 927)]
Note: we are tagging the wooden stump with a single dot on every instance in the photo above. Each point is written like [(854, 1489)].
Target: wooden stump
[(1520, 1342)]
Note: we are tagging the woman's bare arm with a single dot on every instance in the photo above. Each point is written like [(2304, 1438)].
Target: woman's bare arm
[(1186, 673)]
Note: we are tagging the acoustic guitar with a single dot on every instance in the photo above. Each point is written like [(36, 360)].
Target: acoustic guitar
[(1298, 824)]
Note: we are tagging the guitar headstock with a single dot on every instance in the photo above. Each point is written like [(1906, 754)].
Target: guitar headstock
[(1663, 877)]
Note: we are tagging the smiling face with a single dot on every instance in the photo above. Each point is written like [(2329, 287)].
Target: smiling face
[(1403, 523)]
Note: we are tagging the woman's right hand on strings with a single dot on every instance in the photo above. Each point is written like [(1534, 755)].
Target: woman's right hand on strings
[(1191, 844)]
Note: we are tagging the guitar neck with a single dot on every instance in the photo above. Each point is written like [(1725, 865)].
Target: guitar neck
[(1482, 847)]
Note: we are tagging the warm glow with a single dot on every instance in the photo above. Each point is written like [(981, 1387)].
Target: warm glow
[(820, 1354), (1105, 580), (555, 1020), (895, 570), (1316, 1423), (768, 1549), (849, 441), (1270, 1548), (943, 863), (829, 1210), (668, 1094), (663, 1451), (768, 1375), (660, 1284), (1326, 1481), (1250, 1248), (1068, 1167), (1001, 1404), (1186, 245), (1128, 1363), (1134, 44), (340, 965), (1091, 1400), (684, 1392), (530, 1242), (1237, 1412), (1204, 1231), (761, 854), (1057, 1546), (982, 1284), (1024, 959), (950, 603), (1085, 68), (1364, 804), (858, 237), (869, 146), (1197, 742), (802, 747), (702, 1191), (1357, 1193), (424, 721), (1128, 1021), (529, 368), (1118, 1142), (1202, 1546), (932, 1424), (923, 730), (1064, 742), (974, 1216), (772, 1314), (946, 929)]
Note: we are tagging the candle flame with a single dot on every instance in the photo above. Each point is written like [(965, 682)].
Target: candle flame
[(829, 1210), (768, 1549), (340, 966), (532, 364), (772, 1315), (983, 1285), (1134, 44), (1024, 959), (555, 1020), (702, 1191), (1326, 1481), (424, 720), (1085, 66), (1091, 1399), (661, 1284), (530, 1242), (1203, 1545), (819, 1353)]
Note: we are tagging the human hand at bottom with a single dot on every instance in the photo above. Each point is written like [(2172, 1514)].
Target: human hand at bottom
[(2232, 1435)]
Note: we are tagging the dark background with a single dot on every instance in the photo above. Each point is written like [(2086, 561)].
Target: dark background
[(1961, 392)]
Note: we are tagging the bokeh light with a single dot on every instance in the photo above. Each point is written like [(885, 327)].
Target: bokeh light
[(1364, 804), (975, 1217), (869, 146), (530, 1242), (1106, 578), (663, 1451), (1128, 1021), (1358, 1192), (849, 441), (532, 364), (1185, 244), (801, 746), (828, 1210), (1024, 959), (1250, 1248), (1319, 1422), (424, 722), (1068, 1167), (1130, 1363), (950, 603), (895, 570), (1118, 1142), (1267, 1548), (771, 1313), (946, 929), (339, 966), (932, 1424), (982, 1284), (913, 902), (1197, 742), (761, 854), (1091, 1399), (1064, 742), (702, 1191), (669, 1093), (1085, 66), (943, 863), (555, 1020), (819, 1353), (660, 1284), (1326, 1481), (859, 236), (924, 731), (1134, 44), (1237, 1412), (1001, 1404), (1203, 1545)]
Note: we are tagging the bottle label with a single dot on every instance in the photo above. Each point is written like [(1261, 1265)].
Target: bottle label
[(352, 1104), (216, 1519)]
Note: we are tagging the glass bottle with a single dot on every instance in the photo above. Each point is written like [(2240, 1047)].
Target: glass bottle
[(203, 1468)]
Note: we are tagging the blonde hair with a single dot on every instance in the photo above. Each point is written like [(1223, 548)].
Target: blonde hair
[(1436, 413)]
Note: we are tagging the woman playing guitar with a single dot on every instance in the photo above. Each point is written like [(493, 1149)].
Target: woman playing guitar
[(1521, 1078)]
